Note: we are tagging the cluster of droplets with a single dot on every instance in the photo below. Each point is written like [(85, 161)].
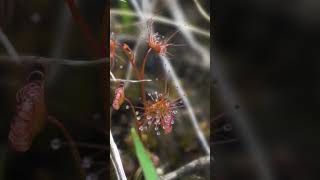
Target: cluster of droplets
[(157, 38), (160, 113)]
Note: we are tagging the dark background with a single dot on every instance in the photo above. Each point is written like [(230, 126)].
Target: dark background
[(265, 78), (73, 94)]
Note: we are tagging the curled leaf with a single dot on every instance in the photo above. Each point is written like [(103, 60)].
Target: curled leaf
[(30, 113)]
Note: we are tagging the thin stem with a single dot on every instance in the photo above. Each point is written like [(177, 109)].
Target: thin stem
[(179, 16), (201, 10), (43, 60), (187, 104), (116, 159), (73, 145), (130, 81), (132, 107), (163, 20), (134, 66), (114, 79), (202, 162), (75, 11), (134, 114), (142, 76), (8, 46)]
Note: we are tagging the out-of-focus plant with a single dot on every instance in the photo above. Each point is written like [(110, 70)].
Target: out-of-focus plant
[(31, 115)]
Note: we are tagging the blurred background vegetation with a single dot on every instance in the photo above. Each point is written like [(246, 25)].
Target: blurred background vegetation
[(73, 95), (266, 61)]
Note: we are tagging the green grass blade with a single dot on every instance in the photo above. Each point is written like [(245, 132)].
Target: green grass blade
[(148, 169)]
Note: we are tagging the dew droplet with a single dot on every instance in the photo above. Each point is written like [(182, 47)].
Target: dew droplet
[(141, 128), (138, 118), (137, 112), (158, 133), (227, 127), (86, 162), (127, 107), (55, 144)]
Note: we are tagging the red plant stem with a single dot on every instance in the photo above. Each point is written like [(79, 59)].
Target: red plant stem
[(75, 11), (135, 69), (142, 77), (134, 114), (71, 142), (132, 107)]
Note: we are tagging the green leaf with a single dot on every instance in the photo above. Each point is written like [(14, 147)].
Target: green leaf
[(148, 169), (126, 20)]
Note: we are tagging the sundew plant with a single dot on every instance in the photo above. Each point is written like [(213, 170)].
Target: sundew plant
[(159, 89)]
